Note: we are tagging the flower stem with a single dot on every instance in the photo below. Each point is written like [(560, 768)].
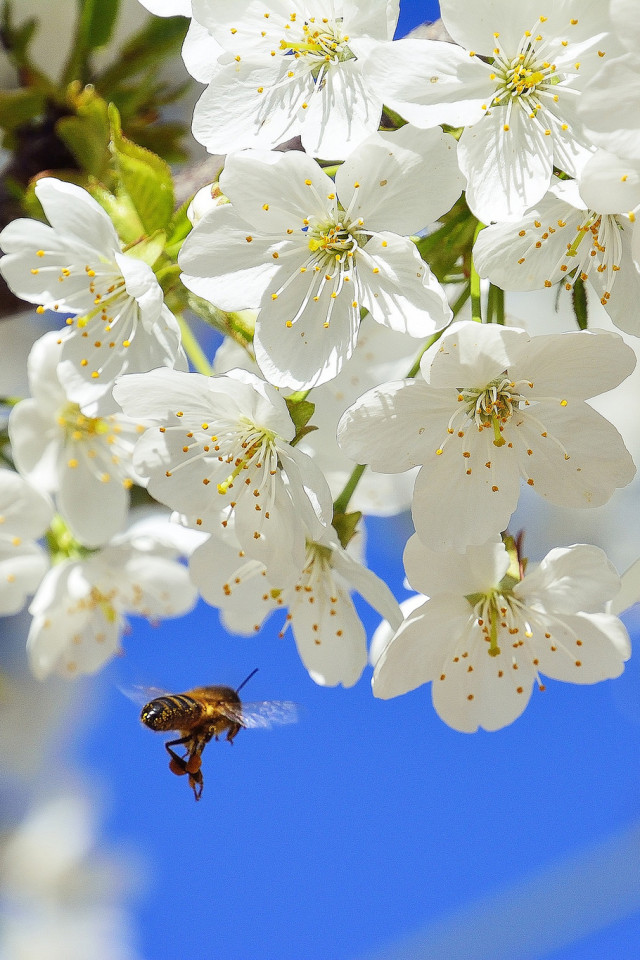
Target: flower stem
[(474, 284), (193, 349), (342, 501)]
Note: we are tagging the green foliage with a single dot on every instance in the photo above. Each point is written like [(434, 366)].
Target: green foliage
[(63, 124), (579, 303), (300, 412), (345, 525), (145, 177)]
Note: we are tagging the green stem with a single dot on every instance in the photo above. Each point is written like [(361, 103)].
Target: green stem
[(193, 349), (495, 305), (342, 502), (474, 284)]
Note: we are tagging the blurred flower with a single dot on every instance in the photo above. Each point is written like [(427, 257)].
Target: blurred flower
[(485, 636), (85, 462), (58, 896), (312, 253), (76, 266), (25, 514), (79, 612), (496, 405)]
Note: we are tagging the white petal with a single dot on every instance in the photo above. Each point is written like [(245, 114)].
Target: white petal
[(509, 170), (584, 648), (418, 650), (444, 84), (390, 169)]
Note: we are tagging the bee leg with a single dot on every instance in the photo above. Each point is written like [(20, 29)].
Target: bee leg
[(196, 783), (233, 732), (178, 765)]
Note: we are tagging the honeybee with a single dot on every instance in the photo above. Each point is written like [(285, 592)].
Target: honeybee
[(207, 713)]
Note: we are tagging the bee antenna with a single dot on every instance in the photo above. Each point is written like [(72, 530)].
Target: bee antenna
[(246, 680)]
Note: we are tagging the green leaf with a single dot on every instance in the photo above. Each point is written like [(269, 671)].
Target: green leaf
[(18, 107), (145, 177), (86, 134), (94, 27), (345, 525), (579, 303), (16, 42), (300, 412), (121, 210), (178, 230), (145, 50)]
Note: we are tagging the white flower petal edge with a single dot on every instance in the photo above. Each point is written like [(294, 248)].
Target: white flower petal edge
[(25, 514), (483, 650), (497, 407)]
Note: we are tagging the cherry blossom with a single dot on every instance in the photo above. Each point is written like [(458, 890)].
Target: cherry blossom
[(496, 406), (80, 609), (328, 632), (560, 240), (223, 444), (276, 69), (311, 253), (485, 636), (513, 82), (76, 266)]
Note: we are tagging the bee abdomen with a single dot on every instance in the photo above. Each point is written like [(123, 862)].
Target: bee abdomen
[(171, 712)]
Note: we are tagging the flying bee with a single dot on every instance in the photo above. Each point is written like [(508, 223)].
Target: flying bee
[(207, 713)]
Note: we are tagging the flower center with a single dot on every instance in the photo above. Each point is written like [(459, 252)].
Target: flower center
[(526, 78), (256, 446), (321, 42), (78, 427), (493, 405)]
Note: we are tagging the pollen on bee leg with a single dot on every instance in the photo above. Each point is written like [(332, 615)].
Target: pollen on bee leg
[(177, 768)]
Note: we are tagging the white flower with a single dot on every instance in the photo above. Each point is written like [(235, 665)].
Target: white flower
[(608, 106), (380, 354), (312, 253), (25, 514), (61, 896), (85, 462), (485, 636), (79, 612), (76, 266), (329, 635), (223, 446), (562, 240), (286, 67), (496, 406), (519, 107)]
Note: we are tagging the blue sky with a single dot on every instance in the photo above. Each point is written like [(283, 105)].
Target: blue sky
[(369, 830)]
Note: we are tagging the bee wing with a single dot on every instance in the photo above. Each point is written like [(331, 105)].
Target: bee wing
[(142, 695), (261, 713)]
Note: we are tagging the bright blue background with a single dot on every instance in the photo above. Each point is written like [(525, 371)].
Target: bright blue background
[(372, 821)]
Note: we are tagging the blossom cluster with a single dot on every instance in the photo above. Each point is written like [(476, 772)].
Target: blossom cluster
[(369, 186)]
